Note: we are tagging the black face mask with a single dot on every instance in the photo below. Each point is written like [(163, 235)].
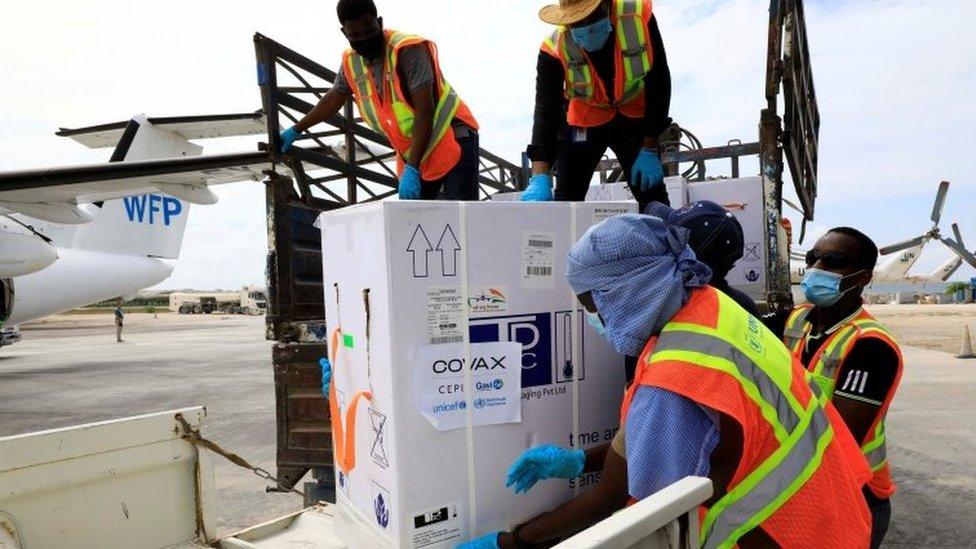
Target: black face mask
[(371, 47)]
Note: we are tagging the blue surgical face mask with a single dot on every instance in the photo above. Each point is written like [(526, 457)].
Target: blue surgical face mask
[(593, 319), (822, 288), (593, 36)]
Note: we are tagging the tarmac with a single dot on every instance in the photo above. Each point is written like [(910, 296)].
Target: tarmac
[(70, 371)]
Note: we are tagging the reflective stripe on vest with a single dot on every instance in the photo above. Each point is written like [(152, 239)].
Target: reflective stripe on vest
[(771, 484), (447, 104), (795, 331), (447, 107), (744, 350), (633, 43), (579, 76), (875, 450), (835, 349), (779, 407), (364, 82)]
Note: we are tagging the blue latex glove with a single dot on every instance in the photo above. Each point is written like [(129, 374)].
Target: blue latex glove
[(326, 375), (647, 172), (539, 189), (288, 137), (542, 462), (487, 541), (409, 183)]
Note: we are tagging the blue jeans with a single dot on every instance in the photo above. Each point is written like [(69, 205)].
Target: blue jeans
[(461, 183)]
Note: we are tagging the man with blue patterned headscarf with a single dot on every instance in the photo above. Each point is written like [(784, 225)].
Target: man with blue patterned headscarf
[(716, 395), (632, 273)]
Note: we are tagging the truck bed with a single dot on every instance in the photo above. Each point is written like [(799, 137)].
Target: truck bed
[(137, 482)]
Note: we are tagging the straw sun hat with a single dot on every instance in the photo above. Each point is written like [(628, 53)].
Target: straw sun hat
[(568, 12)]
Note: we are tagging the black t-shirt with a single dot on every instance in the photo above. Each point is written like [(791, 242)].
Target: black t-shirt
[(868, 371)]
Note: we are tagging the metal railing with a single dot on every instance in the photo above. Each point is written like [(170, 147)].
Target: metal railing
[(679, 146), (348, 162)]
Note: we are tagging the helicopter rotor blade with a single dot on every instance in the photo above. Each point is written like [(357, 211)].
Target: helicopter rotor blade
[(939, 205), (904, 245)]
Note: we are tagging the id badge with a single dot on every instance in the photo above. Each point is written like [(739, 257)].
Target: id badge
[(579, 135)]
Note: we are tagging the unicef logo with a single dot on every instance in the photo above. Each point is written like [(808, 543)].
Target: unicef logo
[(498, 384), (479, 403), (752, 276)]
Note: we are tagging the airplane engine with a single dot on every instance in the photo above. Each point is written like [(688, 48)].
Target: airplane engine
[(6, 299), (23, 252)]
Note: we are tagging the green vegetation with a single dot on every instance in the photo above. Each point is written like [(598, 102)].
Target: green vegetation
[(954, 287)]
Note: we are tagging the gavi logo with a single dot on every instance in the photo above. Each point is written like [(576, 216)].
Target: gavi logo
[(152, 208)]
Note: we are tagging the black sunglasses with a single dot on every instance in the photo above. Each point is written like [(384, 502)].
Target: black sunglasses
[(831, 260)]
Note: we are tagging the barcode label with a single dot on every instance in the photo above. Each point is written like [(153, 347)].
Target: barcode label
[(538, 259), (444, 315), (446, 339)]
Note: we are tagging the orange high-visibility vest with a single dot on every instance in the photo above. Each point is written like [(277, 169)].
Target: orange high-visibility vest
[(800, 473), (589, 103), (825, 366), (392, 114)]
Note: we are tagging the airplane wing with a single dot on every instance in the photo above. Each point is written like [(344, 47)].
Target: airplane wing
[(58, 194), (152, 155), (187, 127)]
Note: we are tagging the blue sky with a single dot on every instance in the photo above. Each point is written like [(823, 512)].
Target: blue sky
[(895, 81)]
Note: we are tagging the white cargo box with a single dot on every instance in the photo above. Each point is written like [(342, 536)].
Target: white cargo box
[(742, 196), (447, 284)]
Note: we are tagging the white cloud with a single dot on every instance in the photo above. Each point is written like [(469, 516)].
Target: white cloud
[(894, 80)]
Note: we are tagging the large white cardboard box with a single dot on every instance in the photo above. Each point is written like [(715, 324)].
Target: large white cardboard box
[(417, 291), (742, 196)]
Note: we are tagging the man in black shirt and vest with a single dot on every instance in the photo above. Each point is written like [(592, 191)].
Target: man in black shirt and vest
[(602, 82), (853, 357)]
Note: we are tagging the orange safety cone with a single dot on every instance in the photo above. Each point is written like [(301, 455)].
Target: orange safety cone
[(967, 345)]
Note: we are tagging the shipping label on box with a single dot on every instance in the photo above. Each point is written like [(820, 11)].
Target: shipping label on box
[(472, 348)]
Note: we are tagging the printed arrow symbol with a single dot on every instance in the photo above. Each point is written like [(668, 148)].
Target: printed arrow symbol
[(448, 242), (421, 244)]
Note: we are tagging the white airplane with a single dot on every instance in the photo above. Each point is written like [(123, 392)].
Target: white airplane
[(896, 268), (71, 236)]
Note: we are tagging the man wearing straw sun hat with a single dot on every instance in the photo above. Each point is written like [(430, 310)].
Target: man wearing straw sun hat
[(602, 82)]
